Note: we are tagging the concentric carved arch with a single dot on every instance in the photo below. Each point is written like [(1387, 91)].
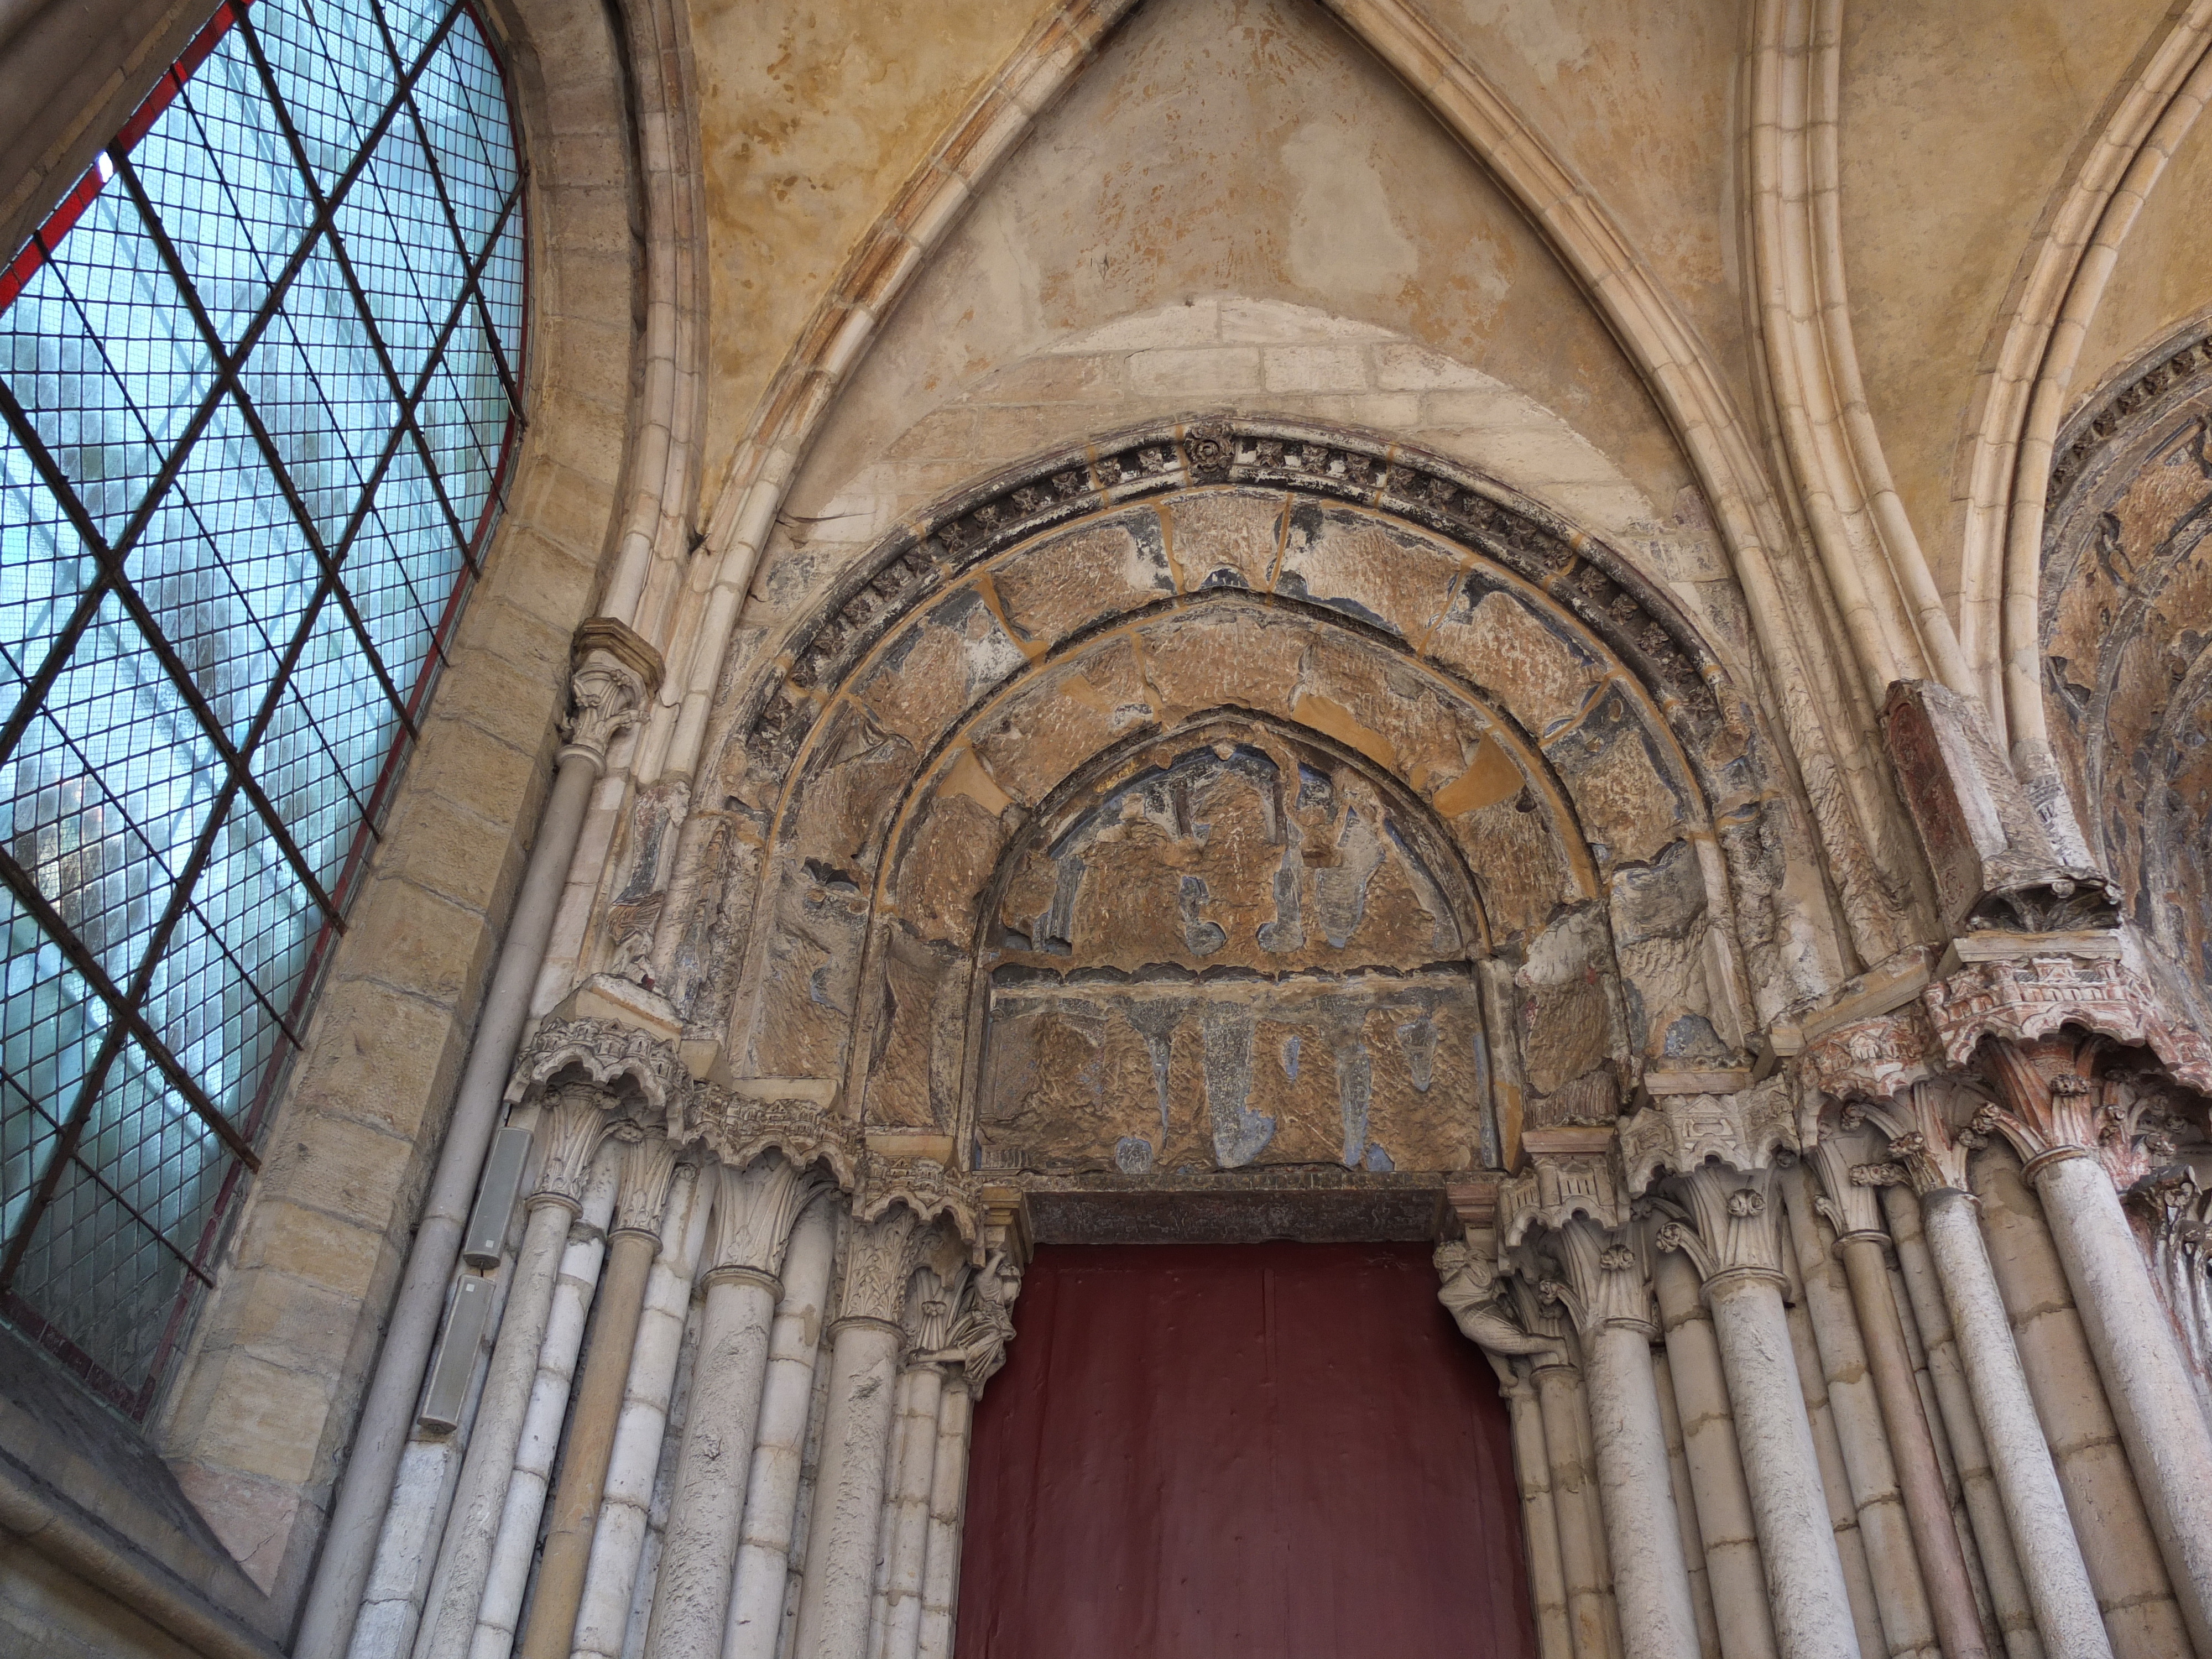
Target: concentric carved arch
[(1432, 638)]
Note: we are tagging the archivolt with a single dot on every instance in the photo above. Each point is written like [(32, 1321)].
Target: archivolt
[(1380, 582)]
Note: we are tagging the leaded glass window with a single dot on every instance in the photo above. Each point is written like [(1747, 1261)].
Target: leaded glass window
[(257, 394)]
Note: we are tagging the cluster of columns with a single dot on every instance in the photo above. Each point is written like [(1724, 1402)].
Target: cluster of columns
[(677, 1353), (1851, 1364)]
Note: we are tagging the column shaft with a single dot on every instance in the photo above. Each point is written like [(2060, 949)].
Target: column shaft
[(590, 1443), (849, 1490), (2150, 1384), (757, 1594), (1811, 1605), (1547, 1581), (1920, 1479), (1651, 1580), (948, 1496), (2066, 1612), (907, 1515), (691, 1598), (1978, 1497), (1708, 1446), (633, 1463), (1685, 1507), (1574, 1502), (1835, 1481)]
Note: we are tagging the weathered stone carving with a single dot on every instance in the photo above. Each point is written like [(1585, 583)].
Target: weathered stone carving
[(879, 1258), (608, 1052), (978, 1336), (1730, 1225), (576, 1124), (1993, 859), (1876, 1058), (615, 675), (1678, 1133), (754, 1209), (1605, 1283), (2020, 1000), (1471, 1292), (740, 1125), (921, 1185), (650, 1172)]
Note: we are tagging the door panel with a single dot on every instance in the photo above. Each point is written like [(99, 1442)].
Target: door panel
[(1284, 1451)]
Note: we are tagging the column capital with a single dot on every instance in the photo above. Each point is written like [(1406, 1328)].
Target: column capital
[(1606, 1278), (650, 1172), (1726, 1221), (755, 1210), (880, 1256), (1845, 1145), (608, 689), (2056, 1099), (1931, 1128), (577, 1121), (1745, 1130), (2053, 983)]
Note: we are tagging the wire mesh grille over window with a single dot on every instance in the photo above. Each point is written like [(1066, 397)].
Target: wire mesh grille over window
[(259, 378)]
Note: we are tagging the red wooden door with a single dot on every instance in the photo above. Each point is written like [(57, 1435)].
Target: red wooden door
[(1285, 1451)]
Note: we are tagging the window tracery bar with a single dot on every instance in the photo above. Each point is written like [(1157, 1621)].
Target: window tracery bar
[(259, 386)]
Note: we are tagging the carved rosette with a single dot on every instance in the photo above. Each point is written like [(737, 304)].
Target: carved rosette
[(2021, 1000), (1681, 1132), (755, 1210), (879, 1260), (607, 1052)]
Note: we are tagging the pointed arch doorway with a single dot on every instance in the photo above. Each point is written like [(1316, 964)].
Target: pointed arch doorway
[(1216, 1451)]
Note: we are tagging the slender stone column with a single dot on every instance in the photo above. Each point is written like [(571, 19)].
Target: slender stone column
[(907, 1543), (848, 1484), (1605, 1290), (1470, 1291), (754, 1212), (2066, 1612), (756, 1599), (1942, 1563), (2146, 1377), (1978, 1498), (648, 1173), (1558, 1384), (572, 1133), (1735, 1249), (617, 672), (1901, 1596), (1685, 1507), (1708, 1446), (948, 1494), (902, 1431), (618, 1540)]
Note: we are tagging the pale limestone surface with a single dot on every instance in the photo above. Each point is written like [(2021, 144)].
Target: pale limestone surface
[(1236, 209)]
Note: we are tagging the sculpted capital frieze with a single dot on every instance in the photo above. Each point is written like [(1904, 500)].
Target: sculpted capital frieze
[(921, 1185), (1559, 1185), (607, 1052), (2020, 999), (742, 1124), (1744, 1130)]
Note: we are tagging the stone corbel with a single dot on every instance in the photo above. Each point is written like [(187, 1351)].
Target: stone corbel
[(753, 1116), (1571, 1173), (2019, 999), (983, 1321), (925, 1187), (613, 676), (1991, 854)]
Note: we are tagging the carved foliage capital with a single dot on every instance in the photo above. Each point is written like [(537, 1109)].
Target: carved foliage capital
[(1849, 1204), (755, 1210), (1605, 1282), (878, 1262), (650, 1171), (1730, 1222), (574, 1128)]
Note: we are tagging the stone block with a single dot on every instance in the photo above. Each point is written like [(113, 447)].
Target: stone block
[(1402, 367), (330, 1261), (1315, 368), (377, 1054), (1197, 371), (269, 1424), (352, 1171)]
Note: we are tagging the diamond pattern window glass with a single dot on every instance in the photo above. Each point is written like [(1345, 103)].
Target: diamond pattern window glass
[(257, 411)]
